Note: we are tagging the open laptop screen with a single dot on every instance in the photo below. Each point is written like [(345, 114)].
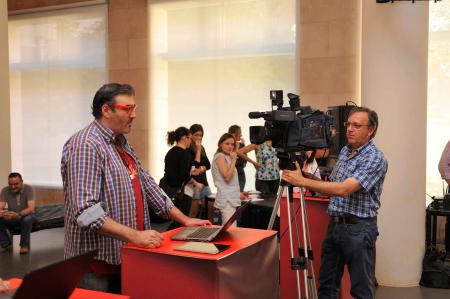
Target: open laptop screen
[(54, 281)]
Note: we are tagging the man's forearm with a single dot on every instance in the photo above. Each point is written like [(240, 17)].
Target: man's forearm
[(178, 216), (325, 188), (116, 230), (26, 212)]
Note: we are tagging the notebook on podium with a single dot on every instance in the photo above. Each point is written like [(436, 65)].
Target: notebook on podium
[(208, 233)]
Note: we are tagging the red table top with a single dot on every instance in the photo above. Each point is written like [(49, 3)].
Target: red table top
[(312, 198), (237, 237), (14, 283)]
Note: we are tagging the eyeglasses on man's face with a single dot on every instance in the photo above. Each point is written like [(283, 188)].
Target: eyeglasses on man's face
[(127, 108), (356, 126)]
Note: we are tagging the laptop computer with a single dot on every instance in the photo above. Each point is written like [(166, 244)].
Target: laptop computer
[(208, 233), (54, 281)]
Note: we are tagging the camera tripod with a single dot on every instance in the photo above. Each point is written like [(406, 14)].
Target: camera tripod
[(304, 260)]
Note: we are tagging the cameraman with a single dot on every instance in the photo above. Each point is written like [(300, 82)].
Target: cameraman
[(355, 190)]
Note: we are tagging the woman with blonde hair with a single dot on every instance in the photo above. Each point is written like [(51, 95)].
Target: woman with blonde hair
[(225, 177)]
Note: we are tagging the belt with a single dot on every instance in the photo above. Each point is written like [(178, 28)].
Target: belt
[(350, 219)]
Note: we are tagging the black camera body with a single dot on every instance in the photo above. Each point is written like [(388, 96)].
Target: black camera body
[(292, 129)]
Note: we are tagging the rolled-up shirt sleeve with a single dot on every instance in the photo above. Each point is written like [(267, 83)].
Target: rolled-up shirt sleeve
[(84, 178)]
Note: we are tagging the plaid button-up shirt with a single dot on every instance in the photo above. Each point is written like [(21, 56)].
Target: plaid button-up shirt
[(93, 172), (368, 166)]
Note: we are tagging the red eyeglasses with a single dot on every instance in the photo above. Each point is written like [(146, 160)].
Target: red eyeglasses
[(127, 108)]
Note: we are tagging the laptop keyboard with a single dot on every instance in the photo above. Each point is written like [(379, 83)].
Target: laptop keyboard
[(204, 232)]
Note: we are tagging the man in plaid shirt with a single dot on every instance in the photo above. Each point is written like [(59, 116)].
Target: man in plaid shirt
[(107, 192), (355, 188)]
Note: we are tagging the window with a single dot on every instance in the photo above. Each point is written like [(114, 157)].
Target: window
[(438, 127), (57, 62), (212, 62)]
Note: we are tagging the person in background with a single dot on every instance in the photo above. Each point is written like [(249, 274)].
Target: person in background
[(355, 188), (201, 162), (311, 166), (225, 177), (21, 205), (267, 167), (444, 169), (178, 168), (107, 192), (241, 162), (444, 165)]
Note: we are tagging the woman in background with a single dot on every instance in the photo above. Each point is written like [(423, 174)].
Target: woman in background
[(225, 177), (241, 162), (267, 168), (178, 169), (201, 162)]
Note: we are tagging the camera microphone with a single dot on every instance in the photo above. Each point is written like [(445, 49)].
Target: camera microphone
[(254, 115)]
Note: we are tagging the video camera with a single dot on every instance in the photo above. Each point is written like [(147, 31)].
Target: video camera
[(293, 130)]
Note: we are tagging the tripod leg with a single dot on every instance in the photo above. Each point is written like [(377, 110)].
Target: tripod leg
[(297, 273), (305, 248), (297, 232), (312, 279), (276, 206)]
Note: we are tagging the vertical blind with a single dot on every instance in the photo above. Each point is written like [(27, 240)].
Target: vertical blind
[(57, 62), (438, 114), (212, 62)]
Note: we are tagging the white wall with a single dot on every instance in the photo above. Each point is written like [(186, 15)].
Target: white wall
[(394, 83), (5, 140)]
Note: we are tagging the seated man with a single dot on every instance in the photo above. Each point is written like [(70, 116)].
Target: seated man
[(20, 213)]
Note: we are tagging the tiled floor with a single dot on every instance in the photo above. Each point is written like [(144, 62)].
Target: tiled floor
[(47, 247)]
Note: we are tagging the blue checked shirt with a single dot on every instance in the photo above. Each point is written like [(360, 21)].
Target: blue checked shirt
[(93, 173), (368, 166)]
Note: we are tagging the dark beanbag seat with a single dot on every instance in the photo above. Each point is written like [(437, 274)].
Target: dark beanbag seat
[(48, 216)]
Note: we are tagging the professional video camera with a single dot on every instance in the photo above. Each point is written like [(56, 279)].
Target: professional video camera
[(293, 130)]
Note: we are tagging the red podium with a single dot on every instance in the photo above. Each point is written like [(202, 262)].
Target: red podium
[(248, 269), (77, 293)]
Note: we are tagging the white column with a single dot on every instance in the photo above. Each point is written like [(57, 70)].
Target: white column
[(394, 83), (5, 138)]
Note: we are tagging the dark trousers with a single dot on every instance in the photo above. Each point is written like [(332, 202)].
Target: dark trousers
[(241, 179), (25, 224), (352, 245)]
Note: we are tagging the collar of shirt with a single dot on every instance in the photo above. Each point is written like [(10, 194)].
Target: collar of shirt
[(359, 149), (106, 132)]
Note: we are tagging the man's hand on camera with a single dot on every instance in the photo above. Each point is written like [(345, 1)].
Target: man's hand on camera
[(294, 177)]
